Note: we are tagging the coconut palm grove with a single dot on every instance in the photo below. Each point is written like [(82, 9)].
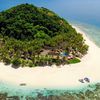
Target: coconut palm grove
[(35, 36)]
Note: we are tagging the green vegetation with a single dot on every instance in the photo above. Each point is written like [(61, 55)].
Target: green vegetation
[(73, 61), (27, 31), (16, 62)]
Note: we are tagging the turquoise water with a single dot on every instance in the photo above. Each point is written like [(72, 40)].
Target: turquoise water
[(22, 92), (92, 31)]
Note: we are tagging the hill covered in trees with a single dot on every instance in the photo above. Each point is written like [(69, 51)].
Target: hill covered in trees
[(31, 35)]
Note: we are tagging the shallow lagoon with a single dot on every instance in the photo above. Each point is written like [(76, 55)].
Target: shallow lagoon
[(91, 31), (15, 92)]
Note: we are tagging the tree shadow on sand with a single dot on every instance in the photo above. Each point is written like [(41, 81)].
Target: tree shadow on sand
[(15, 66)]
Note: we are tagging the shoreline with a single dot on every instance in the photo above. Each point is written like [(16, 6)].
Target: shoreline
[(66, 76)]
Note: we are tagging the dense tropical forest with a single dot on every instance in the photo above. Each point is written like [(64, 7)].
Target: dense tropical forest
[(35, 36)]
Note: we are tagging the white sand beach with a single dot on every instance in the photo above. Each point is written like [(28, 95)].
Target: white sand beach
[(65, 76)]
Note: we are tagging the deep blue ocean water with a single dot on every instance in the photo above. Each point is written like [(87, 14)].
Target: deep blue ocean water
[(83, 14)]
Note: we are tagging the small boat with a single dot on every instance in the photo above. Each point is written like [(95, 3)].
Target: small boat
[(81, 80), (23, 84)]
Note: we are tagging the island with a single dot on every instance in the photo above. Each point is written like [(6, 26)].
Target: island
[(35, 36)]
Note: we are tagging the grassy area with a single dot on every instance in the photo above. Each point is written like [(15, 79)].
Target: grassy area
[(74, 60)]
